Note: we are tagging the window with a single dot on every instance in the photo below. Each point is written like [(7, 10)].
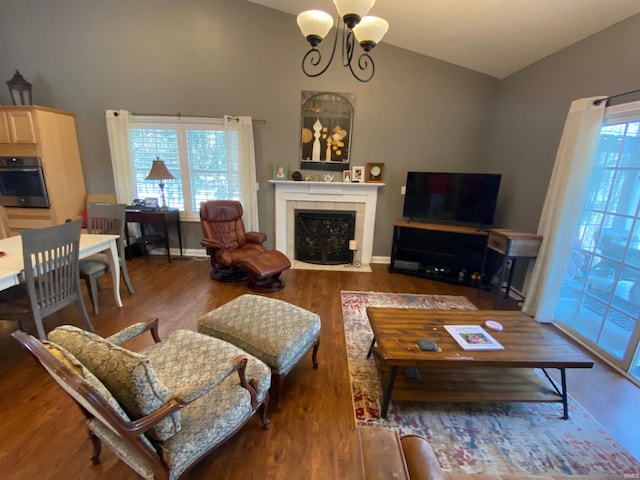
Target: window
[(200, 153), (210, 158)]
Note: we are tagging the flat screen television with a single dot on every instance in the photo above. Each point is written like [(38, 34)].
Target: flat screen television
[(461, 198)]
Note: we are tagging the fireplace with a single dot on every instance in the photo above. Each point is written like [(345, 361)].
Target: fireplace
[(322, 236), (329, 196)]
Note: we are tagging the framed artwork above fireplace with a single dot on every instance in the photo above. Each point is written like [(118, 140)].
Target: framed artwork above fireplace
[(326, 130)]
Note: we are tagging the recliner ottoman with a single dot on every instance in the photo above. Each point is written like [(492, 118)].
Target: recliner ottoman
[(276, 332), (264, 269)]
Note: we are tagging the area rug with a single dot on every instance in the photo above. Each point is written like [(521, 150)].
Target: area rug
[(490, 438)]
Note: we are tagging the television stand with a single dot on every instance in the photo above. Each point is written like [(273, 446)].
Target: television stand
[(447, 252)]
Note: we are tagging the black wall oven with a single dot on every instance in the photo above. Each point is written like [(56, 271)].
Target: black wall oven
[(22, 183)]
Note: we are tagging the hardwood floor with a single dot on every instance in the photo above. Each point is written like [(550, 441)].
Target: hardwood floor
[(312, 438)]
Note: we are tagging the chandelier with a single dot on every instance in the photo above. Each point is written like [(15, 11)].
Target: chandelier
[(355, 26)]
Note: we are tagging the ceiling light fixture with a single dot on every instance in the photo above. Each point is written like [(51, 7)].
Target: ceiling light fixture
[(355, 25)]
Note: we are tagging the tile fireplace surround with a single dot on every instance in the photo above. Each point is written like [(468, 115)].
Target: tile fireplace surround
[(359, 197)]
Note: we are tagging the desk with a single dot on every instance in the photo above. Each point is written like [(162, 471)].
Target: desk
[(157, 217), (11, 264), (512, 245)]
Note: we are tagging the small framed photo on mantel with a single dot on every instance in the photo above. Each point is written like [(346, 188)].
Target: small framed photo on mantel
[(279, 172), (357, 174)]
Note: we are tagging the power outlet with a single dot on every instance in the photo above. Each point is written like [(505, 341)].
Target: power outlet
[(403, 190)]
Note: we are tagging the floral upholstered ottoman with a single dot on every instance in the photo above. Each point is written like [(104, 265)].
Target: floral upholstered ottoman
[(276, 332)]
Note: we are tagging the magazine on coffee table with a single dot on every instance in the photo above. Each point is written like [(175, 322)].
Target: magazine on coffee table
[(473, 337)]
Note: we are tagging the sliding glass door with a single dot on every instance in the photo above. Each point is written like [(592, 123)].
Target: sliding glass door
[(600, 296)]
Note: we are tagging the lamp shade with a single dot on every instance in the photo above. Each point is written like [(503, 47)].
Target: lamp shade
[(370, 30), (159, 171), (353, 7), (315, 23)]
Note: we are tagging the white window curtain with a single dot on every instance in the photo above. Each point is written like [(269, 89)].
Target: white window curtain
[(243, 127), (563, 205), (118, 128)]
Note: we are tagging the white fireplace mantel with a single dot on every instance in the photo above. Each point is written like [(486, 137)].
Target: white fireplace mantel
[(359, 197)]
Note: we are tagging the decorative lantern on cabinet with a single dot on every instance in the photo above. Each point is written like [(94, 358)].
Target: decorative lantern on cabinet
[(18, 86)]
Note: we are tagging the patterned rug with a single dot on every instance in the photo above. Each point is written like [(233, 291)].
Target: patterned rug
[(494, 439)]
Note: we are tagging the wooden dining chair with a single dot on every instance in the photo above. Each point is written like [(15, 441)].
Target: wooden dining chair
[(51, 277), (105, 218)]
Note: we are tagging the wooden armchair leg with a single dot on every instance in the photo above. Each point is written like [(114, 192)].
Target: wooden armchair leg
[(97, 448)]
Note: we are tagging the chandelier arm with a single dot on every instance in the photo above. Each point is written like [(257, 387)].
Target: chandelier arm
[(313, 58), (365, 64), (348, 46)]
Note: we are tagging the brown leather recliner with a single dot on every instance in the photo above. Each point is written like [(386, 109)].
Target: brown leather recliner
[(225, 239)]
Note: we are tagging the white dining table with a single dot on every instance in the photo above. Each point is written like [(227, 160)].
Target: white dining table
[(12, 265)]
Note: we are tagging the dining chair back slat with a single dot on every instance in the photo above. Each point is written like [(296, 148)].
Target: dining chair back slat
[(51, 271)]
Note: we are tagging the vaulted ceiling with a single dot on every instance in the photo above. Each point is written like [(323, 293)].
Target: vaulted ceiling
[(496, 37)]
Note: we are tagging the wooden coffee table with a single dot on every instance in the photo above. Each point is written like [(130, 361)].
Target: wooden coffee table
[(459, 375)]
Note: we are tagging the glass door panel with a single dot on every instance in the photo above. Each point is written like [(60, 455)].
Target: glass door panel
[(600, 296), (634, 370)]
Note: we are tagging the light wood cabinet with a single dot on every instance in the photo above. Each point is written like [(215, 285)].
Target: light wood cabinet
[(34, 131), (5, 136), (16, 126)]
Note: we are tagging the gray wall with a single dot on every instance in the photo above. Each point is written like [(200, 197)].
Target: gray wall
[(531, 109), (215, 57), (533, 104)]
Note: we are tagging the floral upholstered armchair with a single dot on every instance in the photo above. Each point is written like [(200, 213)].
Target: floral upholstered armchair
[(160, 410)]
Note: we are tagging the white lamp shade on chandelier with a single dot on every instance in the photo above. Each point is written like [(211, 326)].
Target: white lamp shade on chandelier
[(370, 30), (353, 7), (315, 23), (367, 31)]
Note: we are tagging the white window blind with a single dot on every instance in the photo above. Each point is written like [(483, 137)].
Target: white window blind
[(200, 154)]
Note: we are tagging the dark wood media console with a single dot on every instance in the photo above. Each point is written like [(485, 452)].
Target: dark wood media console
[(451, 253)]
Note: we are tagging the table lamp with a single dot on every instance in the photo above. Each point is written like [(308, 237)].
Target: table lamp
[(159, 171)]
